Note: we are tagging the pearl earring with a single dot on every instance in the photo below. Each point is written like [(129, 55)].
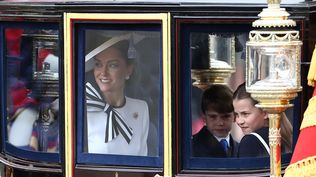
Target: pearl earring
[(127, 77)]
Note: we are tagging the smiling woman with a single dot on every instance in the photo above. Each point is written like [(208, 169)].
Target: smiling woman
[(116, 124)]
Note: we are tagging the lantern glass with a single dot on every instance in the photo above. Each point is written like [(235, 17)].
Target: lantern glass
[(221, 51), (45, 60), (273, 66)]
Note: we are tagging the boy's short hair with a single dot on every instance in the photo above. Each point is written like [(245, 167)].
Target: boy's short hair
[(219, 98)]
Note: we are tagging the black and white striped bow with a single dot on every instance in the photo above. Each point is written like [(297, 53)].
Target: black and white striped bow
[(115, 123)]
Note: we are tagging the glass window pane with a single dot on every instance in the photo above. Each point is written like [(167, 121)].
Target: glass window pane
[(121, 115), (32, 62), (199, 49)]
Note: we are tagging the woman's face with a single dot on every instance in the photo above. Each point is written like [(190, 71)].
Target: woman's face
[(248, 117), (111, 70)]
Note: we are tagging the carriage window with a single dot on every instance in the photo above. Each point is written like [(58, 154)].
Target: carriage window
[(31, 60), (119, 90), (121, 114), (212, 128), (221, 52)]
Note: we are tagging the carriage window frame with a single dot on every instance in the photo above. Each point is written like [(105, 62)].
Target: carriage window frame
[(186, 163), (75, 26), (7, 147)]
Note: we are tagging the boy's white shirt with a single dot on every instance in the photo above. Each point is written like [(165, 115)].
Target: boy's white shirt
[(227, 138)]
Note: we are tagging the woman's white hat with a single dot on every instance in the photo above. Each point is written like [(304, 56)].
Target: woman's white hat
[(88, 58)]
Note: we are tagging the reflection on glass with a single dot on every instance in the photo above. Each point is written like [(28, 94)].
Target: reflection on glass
[(216, 114), (275, 67), (220, 51), (33, 91), (45, 64), (122, 92)]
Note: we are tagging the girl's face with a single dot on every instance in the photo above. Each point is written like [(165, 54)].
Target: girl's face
[(111, 70), (248, 117)]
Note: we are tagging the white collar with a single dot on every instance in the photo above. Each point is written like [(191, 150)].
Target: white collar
[(227, 138)]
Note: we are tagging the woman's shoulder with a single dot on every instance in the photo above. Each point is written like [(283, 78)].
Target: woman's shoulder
[(135, 101)]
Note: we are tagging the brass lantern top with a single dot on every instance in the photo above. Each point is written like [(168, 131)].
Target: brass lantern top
[(274, 16), (273, 58)]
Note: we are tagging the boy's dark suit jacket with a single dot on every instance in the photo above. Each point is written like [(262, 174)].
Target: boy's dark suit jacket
[(251, 146), (204, 144)]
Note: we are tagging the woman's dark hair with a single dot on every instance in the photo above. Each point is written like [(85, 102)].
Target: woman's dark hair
[(241, 93), (124, 46), (219, 98)]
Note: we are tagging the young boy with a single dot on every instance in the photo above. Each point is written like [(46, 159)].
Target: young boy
[(214, 139)]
